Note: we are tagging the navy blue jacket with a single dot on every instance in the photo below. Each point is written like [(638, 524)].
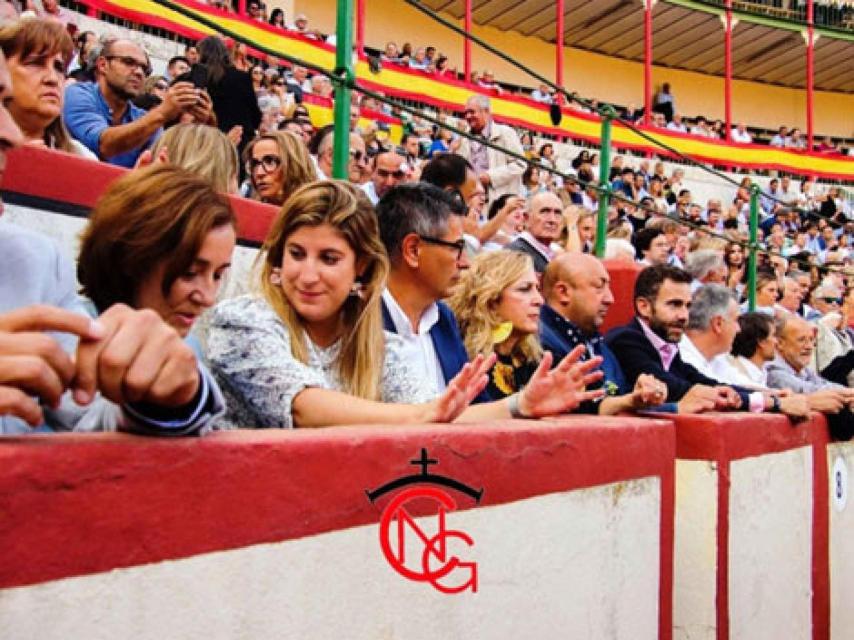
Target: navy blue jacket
[(637, 355), (560, 336), (447, 342)]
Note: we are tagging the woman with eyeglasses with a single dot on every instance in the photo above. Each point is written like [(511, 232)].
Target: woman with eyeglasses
[(37, 53), (277, 164), (310, 350), (153, 91)]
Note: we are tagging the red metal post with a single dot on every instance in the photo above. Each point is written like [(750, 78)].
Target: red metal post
[(559, 45), (728, 71), (467, 44), (810, 73), (647, 62), (241, 7), (360, 27)]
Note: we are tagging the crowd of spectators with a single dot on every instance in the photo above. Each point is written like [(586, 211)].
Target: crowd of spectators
[(442, 280)]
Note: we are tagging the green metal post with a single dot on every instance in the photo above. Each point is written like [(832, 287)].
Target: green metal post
[(751, 264), (343, 75), (608, 114)]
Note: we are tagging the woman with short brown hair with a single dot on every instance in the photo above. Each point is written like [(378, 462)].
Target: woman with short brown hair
[(37, 53), (159, 238)]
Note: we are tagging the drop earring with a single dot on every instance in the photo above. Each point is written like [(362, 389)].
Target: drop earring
[(276, 276)]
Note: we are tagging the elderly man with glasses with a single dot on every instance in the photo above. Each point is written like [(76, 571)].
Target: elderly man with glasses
[(102, 117)]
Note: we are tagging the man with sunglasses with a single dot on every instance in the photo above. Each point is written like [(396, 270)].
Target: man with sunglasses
[(390, 170), (102, 117)]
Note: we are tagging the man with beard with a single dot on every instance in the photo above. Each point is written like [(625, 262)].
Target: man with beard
[(577, 291), (650, 342), (101, 115)]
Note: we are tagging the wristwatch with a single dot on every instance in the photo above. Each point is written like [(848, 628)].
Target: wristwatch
[(775, 405)]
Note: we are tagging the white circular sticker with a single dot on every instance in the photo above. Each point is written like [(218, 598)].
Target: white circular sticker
[(839, 484)]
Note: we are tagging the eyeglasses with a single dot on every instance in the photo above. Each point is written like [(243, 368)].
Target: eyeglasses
[(833, 301), (397, 175), (132, 63), (269, 162), (459, 245), (161, 86), (358, 155)]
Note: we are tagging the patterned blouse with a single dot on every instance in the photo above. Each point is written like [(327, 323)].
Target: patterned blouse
[(249, 350)]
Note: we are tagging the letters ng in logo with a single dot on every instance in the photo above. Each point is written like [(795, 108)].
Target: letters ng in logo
[(424, 552)]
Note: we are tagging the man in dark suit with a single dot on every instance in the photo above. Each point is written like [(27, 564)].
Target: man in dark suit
[(650, 342), (545, 220)]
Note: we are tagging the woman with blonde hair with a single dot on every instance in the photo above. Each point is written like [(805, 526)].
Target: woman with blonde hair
[(277, 164), (310, 350), (37, 53), (203, 150), (497, 305)]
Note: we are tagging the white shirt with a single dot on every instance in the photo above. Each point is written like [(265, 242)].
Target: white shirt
[(420, 352), (370, 191), (691, 354), (737, 136)]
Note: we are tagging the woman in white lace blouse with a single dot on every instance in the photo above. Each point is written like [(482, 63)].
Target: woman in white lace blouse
[(310, 349)]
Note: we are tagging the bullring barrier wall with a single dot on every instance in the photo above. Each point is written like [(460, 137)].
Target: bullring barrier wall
[(270, 533), (110, 535)]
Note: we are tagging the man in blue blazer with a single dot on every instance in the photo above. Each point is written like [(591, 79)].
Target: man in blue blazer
[(649, 344)]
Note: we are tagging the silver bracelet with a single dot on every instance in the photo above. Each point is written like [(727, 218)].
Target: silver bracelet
[(513, 405)]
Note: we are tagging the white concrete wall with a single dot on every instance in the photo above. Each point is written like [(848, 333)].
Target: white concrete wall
[(695, 551), (770, 546), (579, 564), (841, 550)]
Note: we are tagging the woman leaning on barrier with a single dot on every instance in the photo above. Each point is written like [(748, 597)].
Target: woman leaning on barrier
[(310, 349)]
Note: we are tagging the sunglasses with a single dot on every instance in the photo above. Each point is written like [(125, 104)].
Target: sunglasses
[(358, 155), (160, 86), (459, 246), (269, 162), (384, 173), (833, 300)]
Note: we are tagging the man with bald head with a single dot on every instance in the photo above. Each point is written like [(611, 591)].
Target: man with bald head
[(545, 219), (791, 370), (577, 293), (390, 169)]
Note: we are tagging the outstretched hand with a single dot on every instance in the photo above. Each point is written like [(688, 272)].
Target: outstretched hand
[(562, 389), (461, 390)]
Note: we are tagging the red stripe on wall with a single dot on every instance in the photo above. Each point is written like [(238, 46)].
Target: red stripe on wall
[(78, 181), (820, 543), (722, 593), (81, 504)]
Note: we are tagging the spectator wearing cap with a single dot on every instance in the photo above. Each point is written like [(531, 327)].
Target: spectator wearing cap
[(301, 27), (102, 117), (389, 170)]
